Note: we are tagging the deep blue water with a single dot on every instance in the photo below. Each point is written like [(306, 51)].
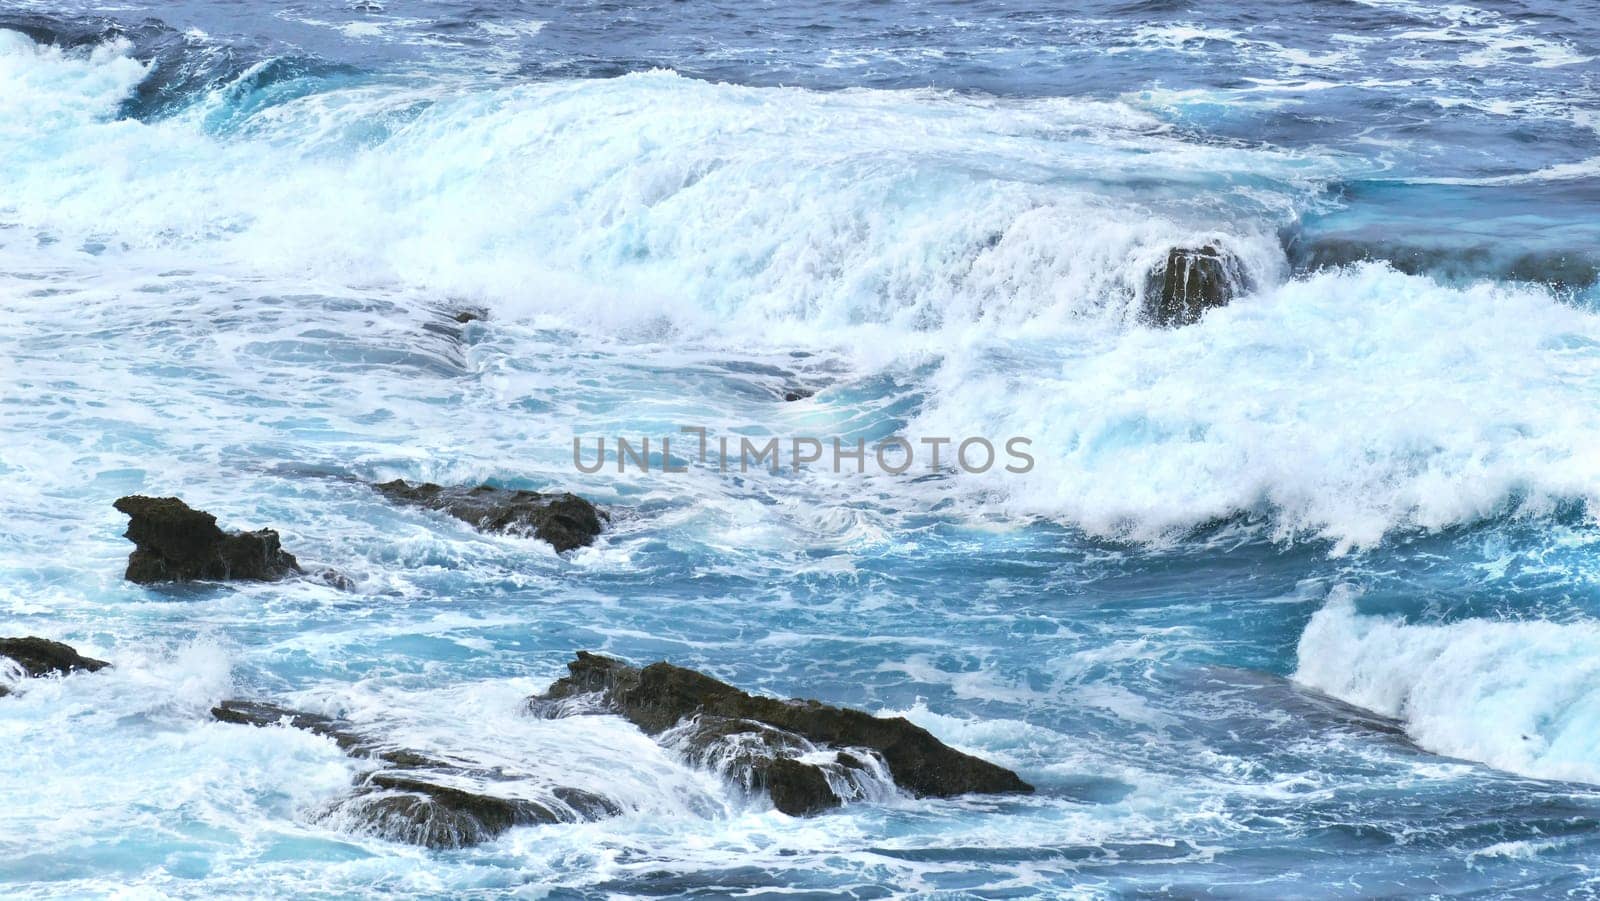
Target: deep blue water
[(1302, 599)]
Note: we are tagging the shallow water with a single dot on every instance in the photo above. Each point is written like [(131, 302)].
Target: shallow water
[(1301, 598)]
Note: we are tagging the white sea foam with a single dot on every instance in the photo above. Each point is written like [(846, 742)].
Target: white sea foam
[(1343, 406), (1340, 405), (1519, 696), (1010, 240), (653, 199)]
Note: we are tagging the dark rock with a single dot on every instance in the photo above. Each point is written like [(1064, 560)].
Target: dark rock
[(404, 808), (797, 789), (661, 696), (466, 316), (1191, 281), (406, 802), (418, 812), (435, 816), (565, 520), (42, 657), (175, 543), (735, 747), (797, 394), (759, 757), (1449, 260)]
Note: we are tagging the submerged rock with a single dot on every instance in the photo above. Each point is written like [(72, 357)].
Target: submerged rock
[(259, 713), (1191, 281), (565, 520), (176, 543), (408, 801), (702, 712), (795, 394), (404, 808), (42, 657)]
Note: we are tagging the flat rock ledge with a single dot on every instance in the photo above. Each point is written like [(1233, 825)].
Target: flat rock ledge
[(411, 798), (805, 755), (175, 543), (42, 657), (565, 520)]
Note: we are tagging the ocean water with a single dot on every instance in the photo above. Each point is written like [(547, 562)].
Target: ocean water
[(1302, 599)]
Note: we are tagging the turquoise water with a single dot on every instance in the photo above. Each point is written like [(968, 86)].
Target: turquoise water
[(1300, 599)]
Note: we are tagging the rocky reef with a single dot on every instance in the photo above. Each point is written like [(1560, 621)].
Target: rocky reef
[(176, 543), (565, 520), (805, 755), (42, 657)]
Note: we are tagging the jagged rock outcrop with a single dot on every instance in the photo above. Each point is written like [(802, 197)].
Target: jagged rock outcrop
[(1191, 281), (409, 800), (565, 520), (42, 657), (176, 543), (700, 716)]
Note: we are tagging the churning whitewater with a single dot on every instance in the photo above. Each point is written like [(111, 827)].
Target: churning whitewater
[(1295, 305)]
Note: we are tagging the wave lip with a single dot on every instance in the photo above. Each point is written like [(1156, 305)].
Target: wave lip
[(1519, 696)]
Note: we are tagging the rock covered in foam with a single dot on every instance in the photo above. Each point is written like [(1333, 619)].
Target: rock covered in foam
[(412, 799), (565, 520), (698, 715), (420, 811), (42, 657), (1191, 281), (176, 543)]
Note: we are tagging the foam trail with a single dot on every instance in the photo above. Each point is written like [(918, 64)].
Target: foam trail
[(1519, 696)]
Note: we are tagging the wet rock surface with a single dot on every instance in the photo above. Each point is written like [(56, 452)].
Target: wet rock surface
[(401, 807), (411, 800), (1192, 281), (42, 657), (176, 543), (698, 715), (564, 520)]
